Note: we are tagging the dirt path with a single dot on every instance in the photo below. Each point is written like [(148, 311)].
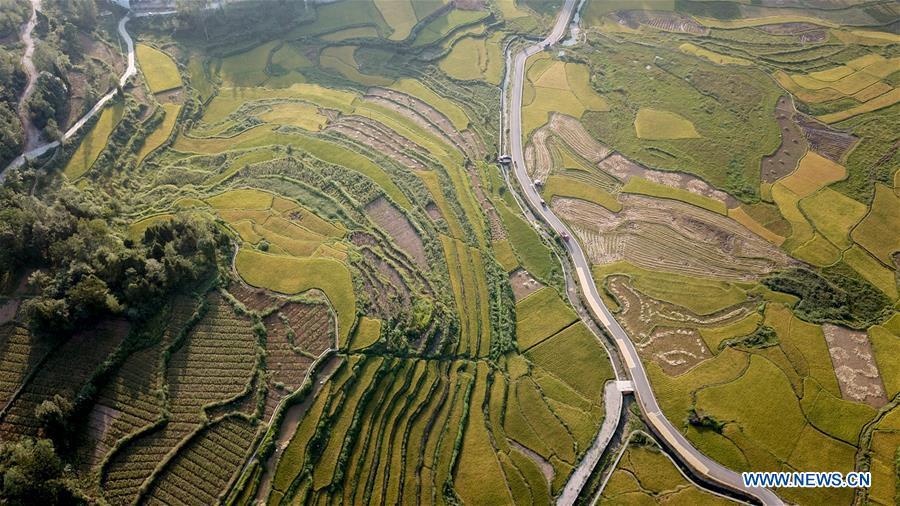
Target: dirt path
[(31, 151), (32, 135)]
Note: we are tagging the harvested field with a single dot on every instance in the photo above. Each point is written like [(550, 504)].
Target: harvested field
[(672, 236), (624, 169), (200, 471), (523, 284), (665, 21), (854, 365), (20, 353), (399, 228), (426, 117), (793, 144), (371, 133), (666, 333)]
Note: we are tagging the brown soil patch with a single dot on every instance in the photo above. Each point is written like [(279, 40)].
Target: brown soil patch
[(793, 144), (572, 133), (313, 326), (384, 292), (77, 86), (399, 228), (523, 284), (175, 96), (664, 332), (256, 299), (433, 212), (469, 5), (382, 139), (787, 28), (826, 141), (285, 361), (663, 234), (8, 310), (854, 365)]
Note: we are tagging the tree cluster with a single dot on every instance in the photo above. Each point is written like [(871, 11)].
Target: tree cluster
[(32, 473), (837, 295), (85, 271)]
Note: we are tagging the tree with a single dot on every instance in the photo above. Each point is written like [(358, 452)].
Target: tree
[(31, 473), (53, 417)]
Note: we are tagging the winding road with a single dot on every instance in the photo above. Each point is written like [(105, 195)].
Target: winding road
[(699, 463), (31, 134)]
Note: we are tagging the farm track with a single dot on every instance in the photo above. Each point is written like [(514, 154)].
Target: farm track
[(130, 70), (698, 463)]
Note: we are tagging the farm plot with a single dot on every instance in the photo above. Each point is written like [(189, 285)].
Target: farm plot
[(158, 68), (63, 373), (541, 315), (646, 475), (202, 469), (736, 126), (668, 334), (793, 144), (213, 366), (671, 236), (20, 352), (399, 15), (341, 59), (94, 141), (487, 64), (556, 86), (467, 278), (653, 124), (883, 215), (399, 228), (162, 132)]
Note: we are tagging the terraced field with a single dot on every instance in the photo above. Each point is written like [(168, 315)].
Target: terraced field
[(729, 346), (387, 326)]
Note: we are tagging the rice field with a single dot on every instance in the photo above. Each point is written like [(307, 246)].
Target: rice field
[(94, 142), (158, 68), (653, 124)]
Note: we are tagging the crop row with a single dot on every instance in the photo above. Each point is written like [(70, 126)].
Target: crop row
[(19, 353), (201, 470), (63, 373)]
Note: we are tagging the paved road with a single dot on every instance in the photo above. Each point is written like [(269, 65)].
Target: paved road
[(613, 401), (690, 456), (130, 70)]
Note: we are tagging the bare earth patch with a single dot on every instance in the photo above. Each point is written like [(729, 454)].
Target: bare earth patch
[(399, 228), (793, 144), (523, 284), (8, 310), (826, 141), (854, 365)]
